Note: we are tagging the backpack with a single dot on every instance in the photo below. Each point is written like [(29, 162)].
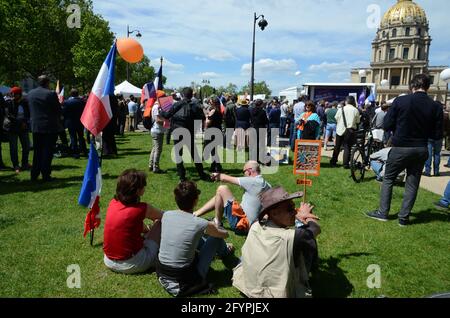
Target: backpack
[(230, 117), (310, 130), (183, 116)]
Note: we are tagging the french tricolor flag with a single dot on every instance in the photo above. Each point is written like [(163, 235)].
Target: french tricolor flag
[(149, 94), (90, 191), (97, 113)]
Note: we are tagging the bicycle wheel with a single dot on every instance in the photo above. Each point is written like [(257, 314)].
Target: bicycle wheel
[(357, 166)]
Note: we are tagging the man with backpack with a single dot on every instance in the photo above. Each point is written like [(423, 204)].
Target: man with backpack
[(183, 115)]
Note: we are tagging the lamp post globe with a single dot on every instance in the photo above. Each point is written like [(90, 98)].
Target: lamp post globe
[(262, 24), (445, 75), (384, 83), (138, 35)]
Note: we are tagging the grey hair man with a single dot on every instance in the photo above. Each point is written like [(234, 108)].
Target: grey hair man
[(239, 215)]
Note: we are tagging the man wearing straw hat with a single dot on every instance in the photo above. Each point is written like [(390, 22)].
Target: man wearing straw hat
[(276, 258)]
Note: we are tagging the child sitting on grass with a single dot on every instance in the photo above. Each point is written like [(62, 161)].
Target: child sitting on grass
[(129, 245)]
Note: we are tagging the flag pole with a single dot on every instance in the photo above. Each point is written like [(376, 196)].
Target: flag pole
[(304, 187)]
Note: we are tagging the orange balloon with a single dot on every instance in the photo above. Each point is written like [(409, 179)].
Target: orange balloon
[(130, 50)]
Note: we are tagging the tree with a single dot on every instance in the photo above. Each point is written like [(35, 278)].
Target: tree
[(260, 88), (230, 89), (36, 39), (91, 50)]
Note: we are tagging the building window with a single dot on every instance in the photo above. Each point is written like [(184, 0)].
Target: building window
[(419, 53), (395, 80), (384, 34), (431, 80), (364, 79), (394, 33), (406, 53), (391, 54), (419, 31), (379, 55), (408, 31)]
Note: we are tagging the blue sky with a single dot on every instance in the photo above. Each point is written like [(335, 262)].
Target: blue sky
[(207, 39)]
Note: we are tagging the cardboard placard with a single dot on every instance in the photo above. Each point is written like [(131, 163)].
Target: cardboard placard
[(307, 157)]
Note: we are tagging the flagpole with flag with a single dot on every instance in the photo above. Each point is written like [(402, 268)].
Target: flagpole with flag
[(97, 112), (90, 192), (59, 92), (149, 91), (96, 116)]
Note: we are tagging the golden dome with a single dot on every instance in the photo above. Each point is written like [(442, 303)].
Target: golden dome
[(405, 11)]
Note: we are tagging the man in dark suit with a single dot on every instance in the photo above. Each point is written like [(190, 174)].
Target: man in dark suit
[(414, 119), (183, 114), (72, 111), (46, 122)]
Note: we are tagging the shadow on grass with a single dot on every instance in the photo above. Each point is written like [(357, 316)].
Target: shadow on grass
[(430, 215), (329, 280), (63, 167), (6, 222), (13, 185), (223, 278)]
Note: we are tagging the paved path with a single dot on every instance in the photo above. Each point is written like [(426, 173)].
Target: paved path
[(433, 184)]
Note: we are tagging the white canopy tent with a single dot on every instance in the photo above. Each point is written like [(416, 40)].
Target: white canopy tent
[(127, 89)]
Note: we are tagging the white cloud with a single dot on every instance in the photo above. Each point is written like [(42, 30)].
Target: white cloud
[(308, 32), (168, 66), (209, 75), (337, 67), (268, 66), (222, 56)]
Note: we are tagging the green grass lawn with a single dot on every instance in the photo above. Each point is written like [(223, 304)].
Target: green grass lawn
[(41, 229)]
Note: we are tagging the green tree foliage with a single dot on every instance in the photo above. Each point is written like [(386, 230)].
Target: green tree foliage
[(91, 50), (230, 89), (140, 73), (35, 39), (260, 88)]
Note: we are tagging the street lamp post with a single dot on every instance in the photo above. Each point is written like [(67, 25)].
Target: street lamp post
[(262, 24), (138, 35)]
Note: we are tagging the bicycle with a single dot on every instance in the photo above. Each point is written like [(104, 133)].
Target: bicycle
[(360, 153)]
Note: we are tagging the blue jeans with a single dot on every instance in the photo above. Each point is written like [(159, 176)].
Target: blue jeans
[(283, 121), (208, 247), (292, 136), (434, 153), (13, 148), (330, 131), (446, 198), (376, 167)]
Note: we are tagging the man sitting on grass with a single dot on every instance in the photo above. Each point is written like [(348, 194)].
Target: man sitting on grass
[(277, 259), (180, 270), (240, 216)]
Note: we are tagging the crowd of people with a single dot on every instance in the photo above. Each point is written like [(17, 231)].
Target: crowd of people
[(280, 248), (180, 245)]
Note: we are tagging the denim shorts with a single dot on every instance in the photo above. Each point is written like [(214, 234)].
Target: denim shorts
[(228, 213)]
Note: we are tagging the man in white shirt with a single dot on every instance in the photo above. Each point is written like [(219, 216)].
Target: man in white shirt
[(283, 117), (347, 118), (132, 110), (299, 109), (240, 215)]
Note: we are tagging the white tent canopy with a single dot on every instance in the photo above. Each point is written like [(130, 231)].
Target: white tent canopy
[(126, 89)]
